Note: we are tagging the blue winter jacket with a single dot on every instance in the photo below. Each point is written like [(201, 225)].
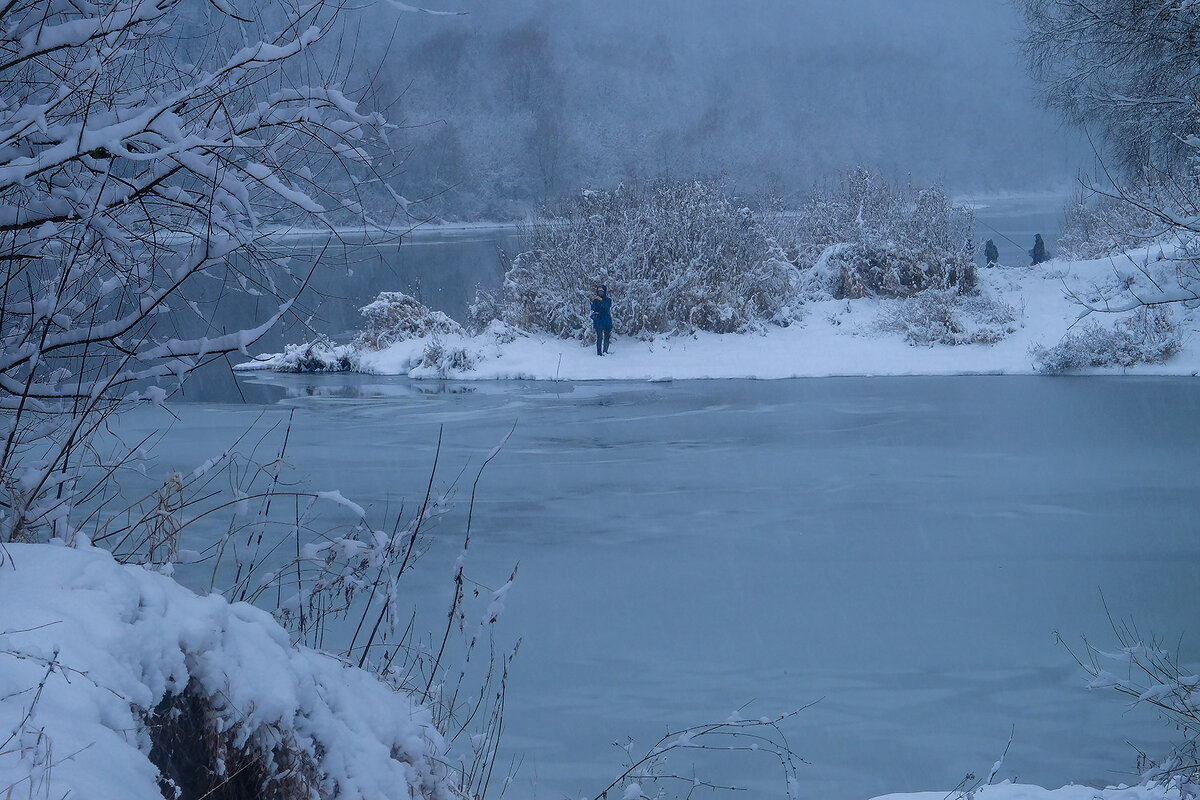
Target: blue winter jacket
[(602, 313)]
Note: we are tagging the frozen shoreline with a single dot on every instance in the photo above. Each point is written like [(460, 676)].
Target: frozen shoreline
[(834, 338)]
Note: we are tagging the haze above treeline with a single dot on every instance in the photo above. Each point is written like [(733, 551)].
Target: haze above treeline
[(518, 103)]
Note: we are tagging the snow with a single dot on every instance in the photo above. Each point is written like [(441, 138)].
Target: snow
[(336, 496), (89, 647), (1017, 791), (835, 338)]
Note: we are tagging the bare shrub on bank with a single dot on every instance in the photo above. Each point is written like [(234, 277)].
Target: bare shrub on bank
[(1098, 225), (1149, 673), (675, 257), (1148, 335), (944, 316), (248, 525)]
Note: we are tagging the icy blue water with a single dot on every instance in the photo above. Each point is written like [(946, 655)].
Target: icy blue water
[(1011, 223), (901, 549)]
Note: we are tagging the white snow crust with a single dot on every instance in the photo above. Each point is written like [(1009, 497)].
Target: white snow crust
[(1018, 791), (108, 642)]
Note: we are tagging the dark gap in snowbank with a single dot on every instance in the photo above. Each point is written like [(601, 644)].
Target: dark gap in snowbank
[(197, 759)]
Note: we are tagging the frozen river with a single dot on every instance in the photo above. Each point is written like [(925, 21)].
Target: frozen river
[(901, 549)]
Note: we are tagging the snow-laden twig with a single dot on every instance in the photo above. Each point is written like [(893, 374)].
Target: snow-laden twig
[(136, 181)]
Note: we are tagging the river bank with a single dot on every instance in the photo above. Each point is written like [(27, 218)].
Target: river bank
[(1020, 313)]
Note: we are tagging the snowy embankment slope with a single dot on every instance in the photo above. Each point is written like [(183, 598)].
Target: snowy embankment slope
[(90, 648), (835, 337)]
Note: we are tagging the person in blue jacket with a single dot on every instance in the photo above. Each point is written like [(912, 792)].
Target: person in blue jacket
[(602, 319)]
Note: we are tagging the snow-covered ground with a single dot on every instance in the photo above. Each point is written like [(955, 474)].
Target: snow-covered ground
[(834, 338), (1017, 791)]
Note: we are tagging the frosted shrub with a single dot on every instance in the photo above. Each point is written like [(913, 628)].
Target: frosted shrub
[(390, 318), (319, 355), (891, 270), (395, 317), (867, 237), (444, 361), (1147, 336), (1148, 673), (944, 316), (675, 257), (1106, 226)]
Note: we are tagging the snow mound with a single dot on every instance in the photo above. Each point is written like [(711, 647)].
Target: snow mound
[(320, 355), (91, 649), (1018, 791)]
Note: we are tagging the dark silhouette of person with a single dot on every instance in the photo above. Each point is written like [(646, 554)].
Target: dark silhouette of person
[(1038, 253), (602, 319), (991, 254)]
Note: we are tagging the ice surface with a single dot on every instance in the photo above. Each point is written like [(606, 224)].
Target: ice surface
[(904, 548)]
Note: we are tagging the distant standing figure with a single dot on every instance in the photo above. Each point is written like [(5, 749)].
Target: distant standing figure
[(602, 319), (991, 254), (1038, 253)]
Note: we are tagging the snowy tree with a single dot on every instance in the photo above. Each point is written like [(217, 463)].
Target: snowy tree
[(1128, 72), (1125, 69), (142, 173)]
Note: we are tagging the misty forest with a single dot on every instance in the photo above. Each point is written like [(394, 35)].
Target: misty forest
[(619, 401)]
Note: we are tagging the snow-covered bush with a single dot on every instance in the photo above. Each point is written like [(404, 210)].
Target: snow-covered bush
[(319, 355), (867, 237), (444, 360), (891, 270), (1146, 336), (396, 317), (1106, 225), (675, 256), (391, 317), (945, 316)]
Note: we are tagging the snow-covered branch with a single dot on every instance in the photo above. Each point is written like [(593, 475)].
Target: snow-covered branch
[(137, 170)]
